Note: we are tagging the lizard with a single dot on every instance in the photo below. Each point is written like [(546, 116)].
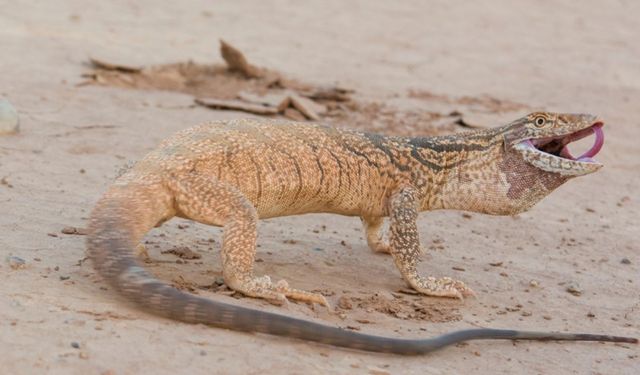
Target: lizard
[(232, 173)]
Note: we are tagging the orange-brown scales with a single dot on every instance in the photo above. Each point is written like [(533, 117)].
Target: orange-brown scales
[(232, 173)]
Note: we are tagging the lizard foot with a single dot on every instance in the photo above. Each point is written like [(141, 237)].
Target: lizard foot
[(380, 247), (278, 293), (443, 287)]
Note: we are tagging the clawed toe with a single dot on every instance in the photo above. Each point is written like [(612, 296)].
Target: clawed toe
[(468, 292), (459, 286), (278, 293), (443, 287), (301, 295), (278, 299), (380, 247)]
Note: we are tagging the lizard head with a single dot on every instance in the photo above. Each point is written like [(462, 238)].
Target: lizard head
[(507, 170), (541, 139)]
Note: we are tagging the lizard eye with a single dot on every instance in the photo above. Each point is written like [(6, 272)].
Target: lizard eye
[(540, 121)]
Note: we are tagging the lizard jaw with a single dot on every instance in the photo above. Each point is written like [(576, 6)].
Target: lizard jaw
[(552, 155)]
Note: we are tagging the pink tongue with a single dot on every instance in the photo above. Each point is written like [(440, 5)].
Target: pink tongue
[(587, 156)]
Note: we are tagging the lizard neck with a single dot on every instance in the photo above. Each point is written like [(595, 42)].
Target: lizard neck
[(474, 171)]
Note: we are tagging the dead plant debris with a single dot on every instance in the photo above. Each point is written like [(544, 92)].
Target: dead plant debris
[(112, 66), (238, 105), (237, 62), (239, 85)]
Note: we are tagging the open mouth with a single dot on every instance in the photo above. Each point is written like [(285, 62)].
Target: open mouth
[(557, 146)]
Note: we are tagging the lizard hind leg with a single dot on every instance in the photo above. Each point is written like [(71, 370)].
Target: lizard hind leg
[(214, 202), (405, 249)]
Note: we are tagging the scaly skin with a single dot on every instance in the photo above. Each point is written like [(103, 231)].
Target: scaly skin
[(233, 173)]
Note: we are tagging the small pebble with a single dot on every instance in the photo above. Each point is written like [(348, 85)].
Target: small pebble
[(75, 345), (16, 262), (534, 283), (9, 122), (574, 289), (625, 261), (74, 230), (345, 303), (623, 201), (5, 182)]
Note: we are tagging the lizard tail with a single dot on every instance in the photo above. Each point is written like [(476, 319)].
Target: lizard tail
[(118, 223)]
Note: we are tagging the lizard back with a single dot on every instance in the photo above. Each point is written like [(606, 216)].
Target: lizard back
[(283, 168)]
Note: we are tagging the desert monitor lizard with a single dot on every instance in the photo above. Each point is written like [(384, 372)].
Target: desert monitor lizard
[(232, 173)]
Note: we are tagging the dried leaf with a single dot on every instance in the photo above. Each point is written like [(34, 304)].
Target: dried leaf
[(237, 105), (101, 64), (306, 106), (293, 114), (279, 101), (334, 93), (236, 61)]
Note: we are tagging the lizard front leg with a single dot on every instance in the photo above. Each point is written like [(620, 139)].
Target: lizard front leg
[(405, 248), (372, 228), (214, 202)]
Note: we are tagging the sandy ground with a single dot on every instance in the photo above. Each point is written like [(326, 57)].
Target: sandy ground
[(56, 317)]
